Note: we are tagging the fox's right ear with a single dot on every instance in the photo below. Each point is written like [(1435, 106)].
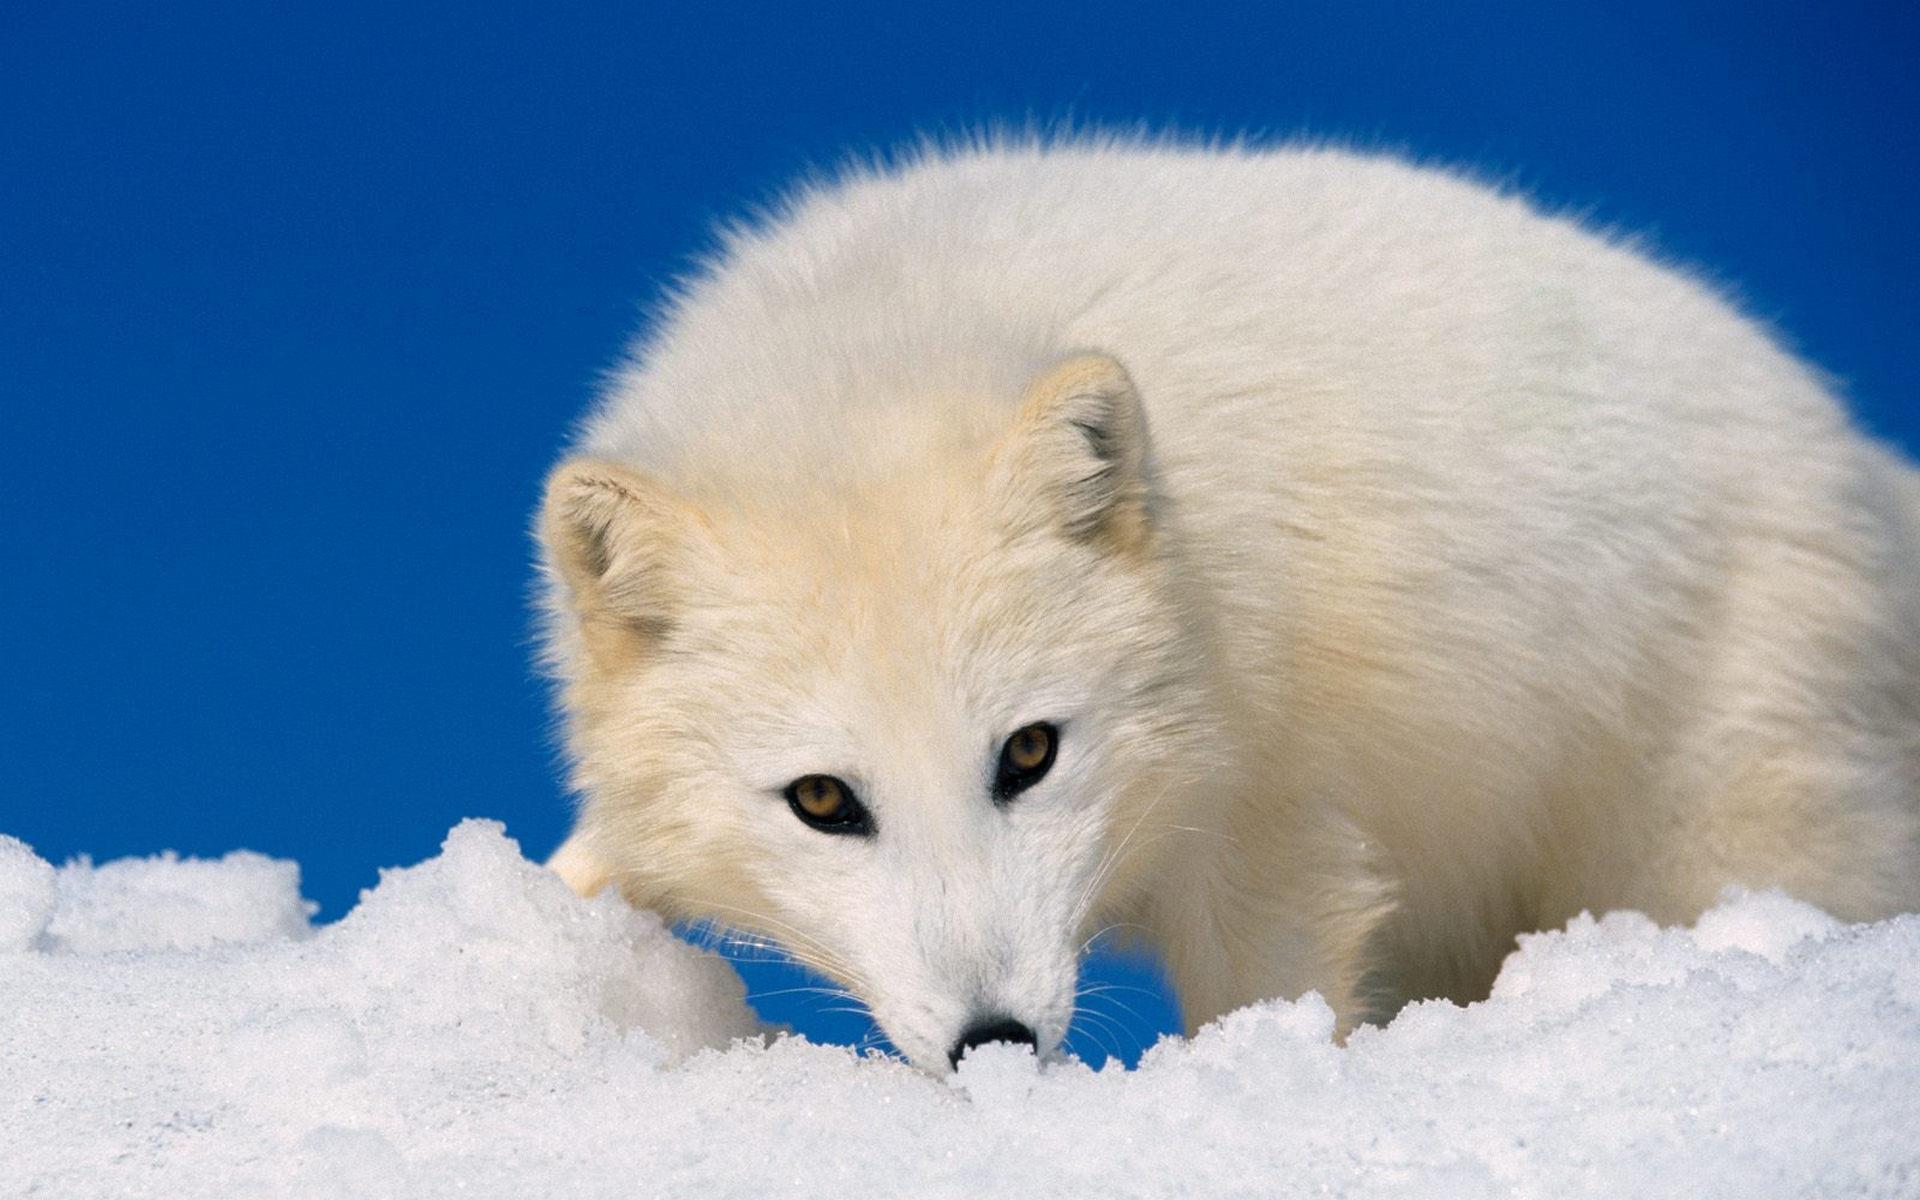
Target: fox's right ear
[(612, 535)]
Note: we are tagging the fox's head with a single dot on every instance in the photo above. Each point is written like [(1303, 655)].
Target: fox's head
[(911, 714)]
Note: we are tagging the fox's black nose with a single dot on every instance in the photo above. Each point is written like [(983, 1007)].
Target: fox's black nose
[(993, 1029)]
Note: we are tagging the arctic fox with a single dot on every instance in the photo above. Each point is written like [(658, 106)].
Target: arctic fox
[(1322, 567)]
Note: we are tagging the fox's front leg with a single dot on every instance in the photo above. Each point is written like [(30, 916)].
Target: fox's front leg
[(580, 866)]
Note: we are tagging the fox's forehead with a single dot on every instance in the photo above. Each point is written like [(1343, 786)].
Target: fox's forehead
[(913, 619), (852, 560)]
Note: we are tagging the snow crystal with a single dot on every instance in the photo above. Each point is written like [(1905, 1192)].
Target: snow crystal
[(177, 1028)]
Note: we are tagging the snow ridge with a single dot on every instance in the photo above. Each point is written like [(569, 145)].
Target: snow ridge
[(177, 1027)]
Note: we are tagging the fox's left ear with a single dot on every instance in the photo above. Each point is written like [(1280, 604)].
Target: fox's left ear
[(1077, 454)]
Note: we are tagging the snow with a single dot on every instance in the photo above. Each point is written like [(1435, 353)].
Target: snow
[(178, 1028)]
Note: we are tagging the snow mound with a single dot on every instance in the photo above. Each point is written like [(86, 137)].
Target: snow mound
[(176, 1028), (165, 903)]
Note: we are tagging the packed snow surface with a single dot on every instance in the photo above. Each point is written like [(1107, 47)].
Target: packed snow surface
[(177, 1028)]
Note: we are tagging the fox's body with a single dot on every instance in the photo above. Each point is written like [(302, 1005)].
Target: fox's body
[(1399, 568)]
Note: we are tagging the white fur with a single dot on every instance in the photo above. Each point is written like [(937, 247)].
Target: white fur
[(1406, 569)]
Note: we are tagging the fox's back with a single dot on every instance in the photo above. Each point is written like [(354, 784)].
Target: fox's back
[(1401, 419)]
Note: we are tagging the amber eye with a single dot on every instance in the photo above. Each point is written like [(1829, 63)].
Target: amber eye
[(827, 804), (1024, 759)]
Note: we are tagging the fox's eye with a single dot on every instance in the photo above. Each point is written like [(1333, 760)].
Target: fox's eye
[(1024, 759), (827, 804)]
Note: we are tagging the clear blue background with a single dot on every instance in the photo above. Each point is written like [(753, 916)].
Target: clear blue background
[(297, 302)]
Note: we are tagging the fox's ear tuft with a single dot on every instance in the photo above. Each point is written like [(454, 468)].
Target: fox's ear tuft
[(1077, 454), (611, 535)]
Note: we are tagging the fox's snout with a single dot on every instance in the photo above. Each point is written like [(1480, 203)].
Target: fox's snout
[(991, 1029)]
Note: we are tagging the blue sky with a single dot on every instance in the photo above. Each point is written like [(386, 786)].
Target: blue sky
[(297, 302)]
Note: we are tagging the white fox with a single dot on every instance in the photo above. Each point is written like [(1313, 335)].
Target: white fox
[(1322, 567)]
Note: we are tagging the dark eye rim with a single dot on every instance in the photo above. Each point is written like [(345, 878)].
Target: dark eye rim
[(853, 821), (1008, 780)]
